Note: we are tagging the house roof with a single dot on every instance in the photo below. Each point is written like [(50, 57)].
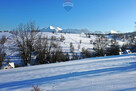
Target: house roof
[(6, 64)]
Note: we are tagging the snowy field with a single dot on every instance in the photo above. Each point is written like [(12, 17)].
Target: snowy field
[(113, 73), (74, 38), (69, 38)]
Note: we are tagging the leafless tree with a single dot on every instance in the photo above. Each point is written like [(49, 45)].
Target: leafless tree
[(85, 53), (2, 56), (2, 53), (36, 49), (62, 38), (49, 51), (78, 46), (100, 44), (72, 49), (3, 40), (25, 37), (35, 88), (80, 41), (113, 49), (53, 38), (41, 48)]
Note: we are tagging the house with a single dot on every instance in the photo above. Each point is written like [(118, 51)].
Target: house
[(9, 66), (120, 51), (82, 34), (127, 51)]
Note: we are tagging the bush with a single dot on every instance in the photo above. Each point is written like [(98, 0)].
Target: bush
[(62, 38), (35, 88), (85, 53)]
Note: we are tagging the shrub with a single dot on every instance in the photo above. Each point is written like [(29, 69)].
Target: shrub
[(35, 88)]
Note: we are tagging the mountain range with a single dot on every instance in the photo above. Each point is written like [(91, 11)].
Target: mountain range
[(58, 29)]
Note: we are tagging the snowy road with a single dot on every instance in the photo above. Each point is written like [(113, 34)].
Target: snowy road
[(114, 73)]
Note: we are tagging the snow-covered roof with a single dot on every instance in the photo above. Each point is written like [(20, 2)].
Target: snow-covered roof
[(12, 64)]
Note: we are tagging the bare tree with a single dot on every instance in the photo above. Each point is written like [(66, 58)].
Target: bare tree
[(25, 37), (35, 49), (2, 57), (35, 88), (2, 53), (3, 40), (62, 38), (41, 48), (113, 49), (85, 53), (100, 45), (49, 51), (72, 49), (57, 54), (80, 41), (78, 46)]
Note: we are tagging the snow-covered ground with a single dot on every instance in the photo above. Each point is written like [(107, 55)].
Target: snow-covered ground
[(74, 38), (113, 73), (69, 38), (6, 34)]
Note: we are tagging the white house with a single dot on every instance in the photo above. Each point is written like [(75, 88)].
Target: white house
[(127, 51), (120, 51), (82, 34), (9, 65)]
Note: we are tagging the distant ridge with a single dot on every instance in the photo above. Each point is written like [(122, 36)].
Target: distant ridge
[(49, 29), (113, 32), (58, 29)]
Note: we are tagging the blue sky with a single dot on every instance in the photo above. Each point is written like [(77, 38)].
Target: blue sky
[(95, 15)]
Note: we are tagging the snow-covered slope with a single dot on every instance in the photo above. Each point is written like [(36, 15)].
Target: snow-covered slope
[(6, 34), (74, 38), (114, 73)]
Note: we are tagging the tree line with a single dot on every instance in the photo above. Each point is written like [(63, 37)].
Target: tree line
[(35, 48)]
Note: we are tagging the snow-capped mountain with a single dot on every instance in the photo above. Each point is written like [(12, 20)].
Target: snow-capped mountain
[(58, 29), (49, 29), (76, 31), (113, 32)]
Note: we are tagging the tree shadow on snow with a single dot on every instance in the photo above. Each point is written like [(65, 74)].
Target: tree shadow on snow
[(44, 80), (128, 89)]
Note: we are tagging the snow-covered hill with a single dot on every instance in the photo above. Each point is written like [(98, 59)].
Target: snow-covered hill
[(12, 53), (74, 38), (114, 73)]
